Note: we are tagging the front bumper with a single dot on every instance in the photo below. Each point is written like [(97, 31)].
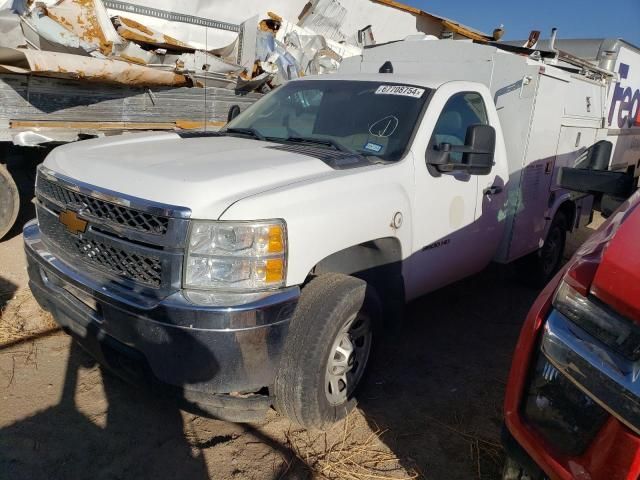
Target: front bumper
[(212, 356), (604, 375), (580, 362)]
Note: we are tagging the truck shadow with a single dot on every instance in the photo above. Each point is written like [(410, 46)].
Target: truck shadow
[(438, 386), (103, 427), (142, 434)]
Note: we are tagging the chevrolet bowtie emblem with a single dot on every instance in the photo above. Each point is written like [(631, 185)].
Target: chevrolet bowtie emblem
[(73, 222)]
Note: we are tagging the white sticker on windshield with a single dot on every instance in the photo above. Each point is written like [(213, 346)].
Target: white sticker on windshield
[(403, 90)]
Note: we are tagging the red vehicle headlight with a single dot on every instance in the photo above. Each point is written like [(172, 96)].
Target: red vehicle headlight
[(596, 318)]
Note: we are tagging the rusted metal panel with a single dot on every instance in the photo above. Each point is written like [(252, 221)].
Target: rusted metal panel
[(139, 33), (104, 70), (43, 33), (89, 20)]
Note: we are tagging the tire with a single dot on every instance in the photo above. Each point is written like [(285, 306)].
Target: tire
[(537, 268), (327, 350), (9, 201)]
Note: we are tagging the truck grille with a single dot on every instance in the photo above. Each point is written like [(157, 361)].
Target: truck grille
[(561, 413), (134, 242), (103, 210), (103, 254)]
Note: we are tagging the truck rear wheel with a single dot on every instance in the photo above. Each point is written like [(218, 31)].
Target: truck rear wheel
[(539, 267), (9, 201), (327, 350)]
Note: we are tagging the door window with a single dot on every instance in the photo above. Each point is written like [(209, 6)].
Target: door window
[(461, 111)]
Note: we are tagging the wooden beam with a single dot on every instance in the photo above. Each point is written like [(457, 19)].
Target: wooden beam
[(195, 124), (401, 6)]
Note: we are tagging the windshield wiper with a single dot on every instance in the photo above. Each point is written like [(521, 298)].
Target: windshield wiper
[(318, 141), (252, 132)]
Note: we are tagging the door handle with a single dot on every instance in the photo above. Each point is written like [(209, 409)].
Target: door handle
[(493, 190)]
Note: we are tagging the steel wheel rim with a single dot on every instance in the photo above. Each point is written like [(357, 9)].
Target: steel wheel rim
[(348, 358)]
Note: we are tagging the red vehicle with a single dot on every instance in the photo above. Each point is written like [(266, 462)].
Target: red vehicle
[(572, 406)]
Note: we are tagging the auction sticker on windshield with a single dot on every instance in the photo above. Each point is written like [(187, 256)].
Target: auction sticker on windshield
[(403, 90)]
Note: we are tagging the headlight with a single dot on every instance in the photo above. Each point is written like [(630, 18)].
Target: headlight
[(236, 255), (619, 333)]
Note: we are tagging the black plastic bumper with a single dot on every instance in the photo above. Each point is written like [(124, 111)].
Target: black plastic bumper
[(211, 356)]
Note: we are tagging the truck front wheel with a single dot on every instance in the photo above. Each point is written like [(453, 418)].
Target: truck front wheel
[(327, 350), (9, 201)]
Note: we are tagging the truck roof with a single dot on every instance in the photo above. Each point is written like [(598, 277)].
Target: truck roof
[(589, 49), (408, 79), (440, 61)]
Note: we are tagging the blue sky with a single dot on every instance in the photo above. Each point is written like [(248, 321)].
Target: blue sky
[(574, 18)]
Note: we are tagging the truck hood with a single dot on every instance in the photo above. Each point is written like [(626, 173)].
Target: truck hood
[(617, 280), (205, 174)]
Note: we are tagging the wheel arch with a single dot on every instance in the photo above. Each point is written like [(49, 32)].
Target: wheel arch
[(568, 208), (378, 262), (565, 205)]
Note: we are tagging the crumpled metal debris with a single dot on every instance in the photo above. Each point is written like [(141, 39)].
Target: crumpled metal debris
[(265, 53), (44, 33), (89, 20), (104, 70), (325, 17), (292, 50), (136, 32)]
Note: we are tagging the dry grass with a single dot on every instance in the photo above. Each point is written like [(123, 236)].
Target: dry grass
[(22, 318), (481, 450), (348, 452)]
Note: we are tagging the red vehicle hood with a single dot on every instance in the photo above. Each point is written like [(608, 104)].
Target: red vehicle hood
[(617, 280)]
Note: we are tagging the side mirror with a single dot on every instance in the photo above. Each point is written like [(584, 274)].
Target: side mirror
[(477, 152), (234, 111)]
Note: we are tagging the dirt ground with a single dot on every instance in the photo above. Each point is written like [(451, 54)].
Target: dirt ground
[(431, 408)]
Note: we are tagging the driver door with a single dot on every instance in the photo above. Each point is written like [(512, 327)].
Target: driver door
[(456, 226)]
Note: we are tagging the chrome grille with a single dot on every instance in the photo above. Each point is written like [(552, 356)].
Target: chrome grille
[(135, 242), (103, 210), (104, 254)]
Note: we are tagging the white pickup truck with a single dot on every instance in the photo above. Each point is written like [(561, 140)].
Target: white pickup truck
[(252, 267)]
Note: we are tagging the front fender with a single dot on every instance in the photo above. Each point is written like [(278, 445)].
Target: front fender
[(327, 215)]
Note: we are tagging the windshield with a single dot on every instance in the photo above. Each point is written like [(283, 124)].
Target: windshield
[(371, 118)]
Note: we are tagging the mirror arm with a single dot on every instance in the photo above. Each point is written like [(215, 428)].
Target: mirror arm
[(447, 147)]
